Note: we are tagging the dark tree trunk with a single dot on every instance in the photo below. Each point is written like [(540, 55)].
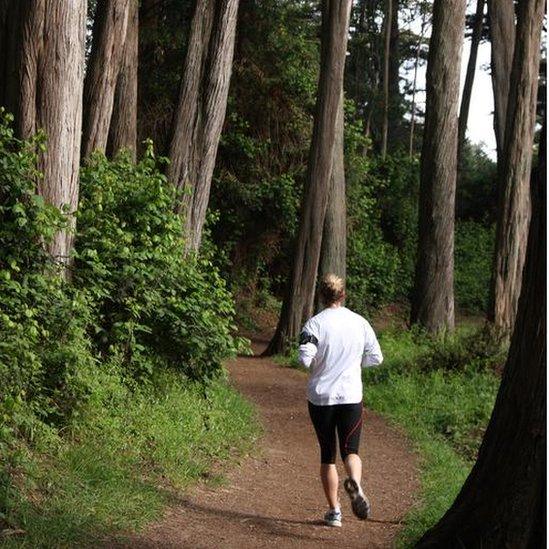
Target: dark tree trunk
[(10, 45), (299, 301), (502, 503), (395, 114), (514, 178), (123, 130), (109, 33), (469, 78), (501, 15), (433, 301), (386, 63), (201, 110), (333, 253), (51, 81)]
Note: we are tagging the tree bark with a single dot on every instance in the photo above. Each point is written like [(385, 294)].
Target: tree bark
[(514, 193), (502, 503), (299, 301), (109, 33), (469, 79), (51, 81), (333, 252), (433, 300), (123, 130), (201, 110), (386, 55), (395, 114), (501, 15), (414, 85), (10, 46)]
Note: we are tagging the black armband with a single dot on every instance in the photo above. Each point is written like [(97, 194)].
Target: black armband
[(304, 338)]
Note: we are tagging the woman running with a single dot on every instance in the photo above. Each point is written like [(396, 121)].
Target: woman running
[(335, 344)]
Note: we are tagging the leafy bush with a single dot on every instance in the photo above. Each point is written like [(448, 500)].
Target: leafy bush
[(45, 354), (474, 249), (153, 306)]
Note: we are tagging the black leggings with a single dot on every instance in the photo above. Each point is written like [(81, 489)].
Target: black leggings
[(346, 419)]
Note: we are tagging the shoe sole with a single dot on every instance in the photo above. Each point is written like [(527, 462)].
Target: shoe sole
[(359, 502), (333, 524)]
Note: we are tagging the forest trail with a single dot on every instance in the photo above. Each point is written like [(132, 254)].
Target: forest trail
[(274, 497)]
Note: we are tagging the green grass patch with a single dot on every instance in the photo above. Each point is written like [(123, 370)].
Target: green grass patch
[(115, 470), (442, 393)]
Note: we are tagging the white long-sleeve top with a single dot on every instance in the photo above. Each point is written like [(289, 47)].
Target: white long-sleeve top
[(335, 344)]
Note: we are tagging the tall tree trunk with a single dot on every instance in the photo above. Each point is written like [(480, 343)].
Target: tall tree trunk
[(414, 84), (469, 79), (123, 130), (502, 503), (299, 301), (395, 114), (109, 33), (51, 81), (201, 110), (386, 54), (433, 300), (514, 193), (501, 15), (333, 252)]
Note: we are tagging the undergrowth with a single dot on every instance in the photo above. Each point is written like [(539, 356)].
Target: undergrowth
[(441, 392)]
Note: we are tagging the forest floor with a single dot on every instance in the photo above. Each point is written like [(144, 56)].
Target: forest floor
[(274, 497)]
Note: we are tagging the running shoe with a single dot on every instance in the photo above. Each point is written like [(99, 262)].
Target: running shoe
[(359, 502), (332, 518)]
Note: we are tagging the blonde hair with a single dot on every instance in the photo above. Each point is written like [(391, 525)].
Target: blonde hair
[(332, 288)]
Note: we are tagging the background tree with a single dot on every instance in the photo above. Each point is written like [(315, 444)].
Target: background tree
[(333, 252), (299, 300), (502, 503), (123, 128), (201, 110), (433, 299), (50, 98), (386, 64), (514, 184), (476, 35)]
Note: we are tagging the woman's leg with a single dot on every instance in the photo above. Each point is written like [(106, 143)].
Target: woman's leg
[(324, 423)]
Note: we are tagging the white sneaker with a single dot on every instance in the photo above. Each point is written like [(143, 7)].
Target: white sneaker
[(332, 518), (359, 502)]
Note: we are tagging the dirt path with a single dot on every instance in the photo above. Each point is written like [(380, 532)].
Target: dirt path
[(274, 499)]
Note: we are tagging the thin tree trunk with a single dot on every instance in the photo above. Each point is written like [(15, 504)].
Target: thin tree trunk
[(501, 15), (395, 115), (433, 301), (469, 78), (414, 85), (52, 75), (333, 253), (502, 503), (123, 130), (514, 196), (109, 33), (201, 110), (386, 54), (299, 301)]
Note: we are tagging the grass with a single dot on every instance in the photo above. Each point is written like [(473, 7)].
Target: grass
[(441, 393), (116, 470)]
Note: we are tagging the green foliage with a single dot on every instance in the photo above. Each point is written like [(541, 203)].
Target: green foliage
[(474, 249), (442, 393), (264, 148), (114, 470), (45, 354), (382, 220), (153, 306)]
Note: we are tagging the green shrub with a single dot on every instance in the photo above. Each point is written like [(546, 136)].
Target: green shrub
[(474, 250), (45, 355), (153, 306)]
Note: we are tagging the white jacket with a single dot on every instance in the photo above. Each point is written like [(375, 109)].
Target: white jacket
[(336, 344)]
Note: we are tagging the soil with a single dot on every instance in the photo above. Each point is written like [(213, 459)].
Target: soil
[(274, 498)]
